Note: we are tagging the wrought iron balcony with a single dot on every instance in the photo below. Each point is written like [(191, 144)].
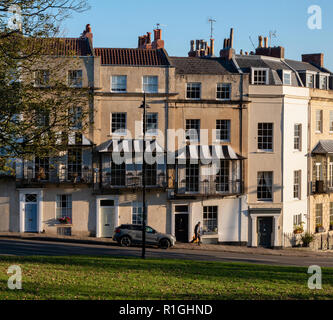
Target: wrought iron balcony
[(321, 186), (192, 187), (130, 180), (31, 176)]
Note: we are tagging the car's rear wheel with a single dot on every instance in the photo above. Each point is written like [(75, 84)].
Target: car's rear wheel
[(125, 241), (165, 244)]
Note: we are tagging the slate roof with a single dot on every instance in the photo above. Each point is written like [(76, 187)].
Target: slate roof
[(323, 147), (197, 65), (132, 56), (276, 65)]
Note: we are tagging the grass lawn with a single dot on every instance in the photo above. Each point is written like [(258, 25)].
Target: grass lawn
[(81, 277)]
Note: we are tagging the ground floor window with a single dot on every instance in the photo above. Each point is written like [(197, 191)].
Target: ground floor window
[(265, 185), (210, 219), (137, 213), (297, 219), (64, 206), (319, 215)]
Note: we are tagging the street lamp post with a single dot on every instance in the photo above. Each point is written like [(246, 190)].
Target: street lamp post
[(144, 208)]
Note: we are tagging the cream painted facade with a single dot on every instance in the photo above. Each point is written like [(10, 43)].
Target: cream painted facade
[(321, 100), (283, 106), (232, 210)]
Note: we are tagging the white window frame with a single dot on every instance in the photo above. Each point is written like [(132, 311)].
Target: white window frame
[(223, 85), (271, 186), (313, 75), (77, 85), (67, 208), (189, 133), (218, 131), (321, 121), (260, 69), (210, 210), (321, 76), (331, 121), (297, 185), (265, 150), (111, 83), (45, 71), (118, 132), (198, 84), (319, 171), (152, 132), (149, 84), (135, 206), (299, 125), (286, 72)]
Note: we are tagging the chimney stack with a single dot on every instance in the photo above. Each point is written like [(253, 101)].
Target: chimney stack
[(227, 52), (158, 43), (87, 34), (260, 42), (316, 59)]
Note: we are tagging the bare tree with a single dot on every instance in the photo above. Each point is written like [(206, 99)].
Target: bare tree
[(39, 109)]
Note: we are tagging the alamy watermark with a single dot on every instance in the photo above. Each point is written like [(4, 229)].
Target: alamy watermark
[(15, 18), (315, 19), (315, 281), (15, 280)]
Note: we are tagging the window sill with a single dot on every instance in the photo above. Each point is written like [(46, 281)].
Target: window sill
[(265, 151), (118, 134), (210, 234), (265, 201)]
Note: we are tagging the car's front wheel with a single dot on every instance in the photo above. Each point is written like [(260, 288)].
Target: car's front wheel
[(125, 241), (165, 244)]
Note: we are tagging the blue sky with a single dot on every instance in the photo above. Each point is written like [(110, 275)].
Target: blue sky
[(119, 23)]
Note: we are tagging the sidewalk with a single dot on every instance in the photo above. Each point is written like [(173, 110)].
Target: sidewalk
[(299, 252)]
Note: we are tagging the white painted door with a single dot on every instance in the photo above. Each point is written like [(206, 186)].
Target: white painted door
[(107, 216)]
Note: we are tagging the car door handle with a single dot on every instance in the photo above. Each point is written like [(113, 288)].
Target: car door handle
[(107, 225)]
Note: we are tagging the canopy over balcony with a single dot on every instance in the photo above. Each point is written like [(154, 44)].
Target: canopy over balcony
[(323, 147)]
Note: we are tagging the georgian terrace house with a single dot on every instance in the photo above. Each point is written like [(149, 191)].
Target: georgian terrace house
[(46, 189), (283, 152)]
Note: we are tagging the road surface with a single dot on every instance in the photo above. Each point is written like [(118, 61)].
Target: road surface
[(17, 247)]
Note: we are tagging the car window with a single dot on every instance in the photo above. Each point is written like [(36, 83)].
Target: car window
[(149, 230)]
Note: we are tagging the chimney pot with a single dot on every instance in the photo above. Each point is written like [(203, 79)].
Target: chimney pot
[(231, 44), (212, 44), (266, 42), (260, 41)]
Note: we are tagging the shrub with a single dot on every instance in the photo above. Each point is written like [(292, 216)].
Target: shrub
[(307, 238)]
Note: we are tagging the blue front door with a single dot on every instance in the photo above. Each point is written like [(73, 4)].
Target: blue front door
[(30, 209)]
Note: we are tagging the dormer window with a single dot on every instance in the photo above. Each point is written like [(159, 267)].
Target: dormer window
[(323, 82), (260, 76), (287, 78), (310, 80)]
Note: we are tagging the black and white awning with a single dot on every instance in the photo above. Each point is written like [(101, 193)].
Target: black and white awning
[(129, 146), (206, 152)]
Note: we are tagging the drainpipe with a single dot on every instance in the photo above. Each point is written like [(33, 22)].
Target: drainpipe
[(240, 146)]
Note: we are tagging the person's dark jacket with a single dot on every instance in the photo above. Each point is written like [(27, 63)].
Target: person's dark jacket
[(197, 229)]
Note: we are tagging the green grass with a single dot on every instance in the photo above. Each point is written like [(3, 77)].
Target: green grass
[(81, 277)]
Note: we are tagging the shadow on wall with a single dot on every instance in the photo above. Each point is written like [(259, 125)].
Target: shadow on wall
[(92, 219)]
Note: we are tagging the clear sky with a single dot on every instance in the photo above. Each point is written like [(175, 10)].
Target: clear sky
[(119, 23)]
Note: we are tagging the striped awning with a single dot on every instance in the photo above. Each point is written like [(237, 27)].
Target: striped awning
[(129, 146), (72, 139), (206, 152)]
